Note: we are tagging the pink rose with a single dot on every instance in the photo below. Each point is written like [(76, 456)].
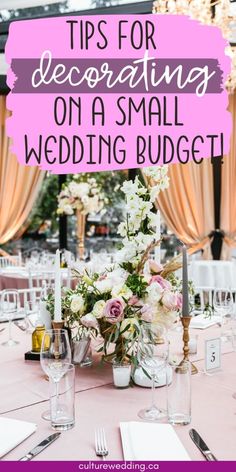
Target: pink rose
[(154, 267), (133, 300), (162, 282), (179, 301), (146, 313), (169, 300), (89, 321), (114, 310)]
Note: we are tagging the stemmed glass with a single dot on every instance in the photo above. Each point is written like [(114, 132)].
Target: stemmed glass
[(10, 304), (223, 306), (55, 358), (153, 360)]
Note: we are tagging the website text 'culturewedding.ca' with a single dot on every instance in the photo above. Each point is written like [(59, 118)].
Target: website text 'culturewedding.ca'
[(127, 465)]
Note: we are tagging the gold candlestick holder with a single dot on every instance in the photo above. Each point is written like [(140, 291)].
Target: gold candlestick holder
[(185, 320), (57, 324)]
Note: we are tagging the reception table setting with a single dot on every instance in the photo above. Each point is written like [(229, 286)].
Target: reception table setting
[(121, 365)]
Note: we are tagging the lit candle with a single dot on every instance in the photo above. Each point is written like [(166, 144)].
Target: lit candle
[(158, 237), (185, 305), (57, 303)]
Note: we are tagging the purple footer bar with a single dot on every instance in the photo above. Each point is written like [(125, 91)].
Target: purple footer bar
[(71, 466)]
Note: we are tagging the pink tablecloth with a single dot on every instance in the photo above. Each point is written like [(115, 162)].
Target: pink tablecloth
[(98, 403)]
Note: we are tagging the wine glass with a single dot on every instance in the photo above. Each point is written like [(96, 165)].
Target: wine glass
[(10, 304), (223, 306), (55, 357), (153, 360)]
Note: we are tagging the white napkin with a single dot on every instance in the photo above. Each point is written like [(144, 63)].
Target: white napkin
[(201, 322), (151, 442), (13, 432)]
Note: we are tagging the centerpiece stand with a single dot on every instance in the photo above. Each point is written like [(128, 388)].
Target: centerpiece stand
[(185, 320), (81, 223)]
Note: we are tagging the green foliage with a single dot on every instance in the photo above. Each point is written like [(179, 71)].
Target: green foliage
[(137, 284)]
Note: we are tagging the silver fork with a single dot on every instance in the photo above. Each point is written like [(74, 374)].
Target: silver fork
[(100, 443)]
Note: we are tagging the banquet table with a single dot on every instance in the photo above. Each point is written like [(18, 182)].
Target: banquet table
[(24, 396)]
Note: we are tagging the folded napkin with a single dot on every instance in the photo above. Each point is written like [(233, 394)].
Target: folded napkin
[(201, 322), (13, 432), (151, 442)]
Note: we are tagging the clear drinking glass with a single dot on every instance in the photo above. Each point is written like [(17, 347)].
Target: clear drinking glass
[(55, 357), (179, 394), (10, 304), (62, 400), (223, 306), (32, 317), (153, 360), (121, 374)]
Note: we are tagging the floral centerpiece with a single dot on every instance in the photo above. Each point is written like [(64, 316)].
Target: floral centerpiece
[(134, 292), (81, 194)]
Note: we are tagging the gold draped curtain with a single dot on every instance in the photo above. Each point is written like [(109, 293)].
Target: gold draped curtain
[(19, 185), (228, 190), (188, 204)]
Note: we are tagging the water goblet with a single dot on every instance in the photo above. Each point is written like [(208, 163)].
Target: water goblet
[(10, 304), (223, 306), (55, 357), (153, 361)]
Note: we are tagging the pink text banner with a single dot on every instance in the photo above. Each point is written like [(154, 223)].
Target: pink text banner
[(116, 92)]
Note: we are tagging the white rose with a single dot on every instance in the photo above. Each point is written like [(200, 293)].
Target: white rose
[(121, 291), (77, 304), (98, 309), (83, 189), (74, 189), (103, 286), (89, 321), (154, 293)]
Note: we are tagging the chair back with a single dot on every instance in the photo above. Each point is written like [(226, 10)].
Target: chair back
[(9, 261)]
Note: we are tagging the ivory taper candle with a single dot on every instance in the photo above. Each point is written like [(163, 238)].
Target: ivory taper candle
[(158, 237), (57, 303)]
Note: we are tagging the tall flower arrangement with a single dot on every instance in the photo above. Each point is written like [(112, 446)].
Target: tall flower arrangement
[(138, 229), (117, 301), (81, 194)]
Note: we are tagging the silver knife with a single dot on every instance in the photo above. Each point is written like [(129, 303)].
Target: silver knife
[(40, 447), (201, 445)]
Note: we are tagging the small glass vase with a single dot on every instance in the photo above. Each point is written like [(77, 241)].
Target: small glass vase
[(82, 352), (121, 374)]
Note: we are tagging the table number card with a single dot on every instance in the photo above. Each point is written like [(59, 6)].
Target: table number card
[(212, 354)]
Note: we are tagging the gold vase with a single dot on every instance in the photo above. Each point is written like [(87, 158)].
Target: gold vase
[(81, 222)]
